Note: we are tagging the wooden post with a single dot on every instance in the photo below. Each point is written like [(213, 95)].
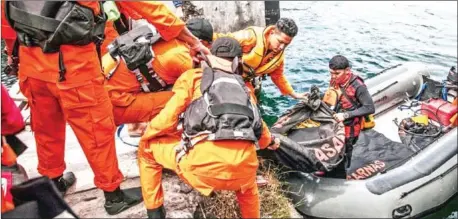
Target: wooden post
[(272, 11)]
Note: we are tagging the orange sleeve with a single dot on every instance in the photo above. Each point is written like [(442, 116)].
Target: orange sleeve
[(8, 33), (183, 61), (156, 13), (110, 35), (280, 80), (167, 120), (246, 38), (266, 136)]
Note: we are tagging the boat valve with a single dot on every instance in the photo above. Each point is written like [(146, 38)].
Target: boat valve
[(402, 211)]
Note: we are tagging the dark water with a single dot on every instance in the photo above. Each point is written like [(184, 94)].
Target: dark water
[(373, 36)]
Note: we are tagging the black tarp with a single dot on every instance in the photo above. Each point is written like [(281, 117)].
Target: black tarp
[(314, 148), (374, 153)]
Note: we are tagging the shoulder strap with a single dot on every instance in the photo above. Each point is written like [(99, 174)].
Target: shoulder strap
[(344, 93), (154, 83), (207, 78), (121, 25), (37, 21), (15, 52), (352, 101)]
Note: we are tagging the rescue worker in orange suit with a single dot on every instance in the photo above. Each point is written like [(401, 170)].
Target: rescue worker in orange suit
[(60, 76), (222, 159), (352, 103), (263, 53), (12, 123), (132, 103), (203, 30), (172, 58)]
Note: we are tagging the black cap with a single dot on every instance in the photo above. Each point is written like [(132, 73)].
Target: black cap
[(226, 47), (201, 28), (339, 62)]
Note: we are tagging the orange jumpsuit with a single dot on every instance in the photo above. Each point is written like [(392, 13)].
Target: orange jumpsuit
[(110, 35), (254, 47), (130, 104), (210, 165), (81, 100), (8, 34)]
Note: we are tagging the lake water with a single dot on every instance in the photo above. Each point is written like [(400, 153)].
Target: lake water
[(373, 35)]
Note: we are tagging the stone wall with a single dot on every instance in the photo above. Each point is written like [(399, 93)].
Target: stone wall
[(229, 16)]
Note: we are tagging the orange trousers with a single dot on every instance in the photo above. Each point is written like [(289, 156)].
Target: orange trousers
[(156, 156), (6, 205), (8, 156), (88, 110), (144, 107)]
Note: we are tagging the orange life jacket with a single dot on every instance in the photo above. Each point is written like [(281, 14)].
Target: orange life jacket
[(252, 60)]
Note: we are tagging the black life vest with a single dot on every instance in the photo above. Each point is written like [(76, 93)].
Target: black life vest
[(50, 24), (134, 48), (348, 102), (224, 111)]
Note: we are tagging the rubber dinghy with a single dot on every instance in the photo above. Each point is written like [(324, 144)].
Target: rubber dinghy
[(394, 173)]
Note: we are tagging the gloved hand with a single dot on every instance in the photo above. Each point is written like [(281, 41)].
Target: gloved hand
[(111, 10), (314, 93), (312, 99)]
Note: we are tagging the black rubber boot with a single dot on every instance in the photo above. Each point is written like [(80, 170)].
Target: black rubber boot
[(158, 213), (118, 201), (64, 182)]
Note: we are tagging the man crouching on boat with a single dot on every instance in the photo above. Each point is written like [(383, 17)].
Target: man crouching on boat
[(352, 103)]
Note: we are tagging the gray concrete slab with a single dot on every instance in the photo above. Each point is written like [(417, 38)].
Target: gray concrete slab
[(87, 201), (76, 160), (180, 201), (84, 198)]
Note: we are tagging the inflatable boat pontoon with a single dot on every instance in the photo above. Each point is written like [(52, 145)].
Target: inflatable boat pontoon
[(419, 186)]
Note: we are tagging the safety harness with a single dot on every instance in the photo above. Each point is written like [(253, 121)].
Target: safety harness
[(134, 49), (223, 112)]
